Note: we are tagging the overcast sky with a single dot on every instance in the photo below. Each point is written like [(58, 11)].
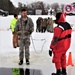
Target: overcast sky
[(15, 2)]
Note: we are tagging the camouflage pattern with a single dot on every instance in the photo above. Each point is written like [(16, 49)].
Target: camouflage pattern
[(50, 23), (24, 44), (44, 25), (24, 28)]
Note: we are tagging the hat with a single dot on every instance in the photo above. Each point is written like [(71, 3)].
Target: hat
[(60, 17)]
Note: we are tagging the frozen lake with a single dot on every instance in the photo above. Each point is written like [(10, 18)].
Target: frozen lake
[(9, 55), (5, 21)]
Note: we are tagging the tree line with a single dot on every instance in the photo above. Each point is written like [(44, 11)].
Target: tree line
[(7, 5)]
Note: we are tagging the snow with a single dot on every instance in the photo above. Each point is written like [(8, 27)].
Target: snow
[(39, 57)]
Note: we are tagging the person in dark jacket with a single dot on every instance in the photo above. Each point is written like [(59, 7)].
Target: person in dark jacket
[(44, 25), (38, 24), (60, 43)]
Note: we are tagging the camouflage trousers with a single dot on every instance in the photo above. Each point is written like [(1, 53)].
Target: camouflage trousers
[(24, 48)]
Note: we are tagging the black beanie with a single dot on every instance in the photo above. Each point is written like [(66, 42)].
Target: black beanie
[(58, 15)]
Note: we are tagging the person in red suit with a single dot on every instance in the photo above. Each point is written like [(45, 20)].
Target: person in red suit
[(60, 43)]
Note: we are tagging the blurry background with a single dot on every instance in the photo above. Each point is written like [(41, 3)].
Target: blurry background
[(38, 7)]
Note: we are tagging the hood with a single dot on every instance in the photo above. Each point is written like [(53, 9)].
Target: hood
[(60, 17)]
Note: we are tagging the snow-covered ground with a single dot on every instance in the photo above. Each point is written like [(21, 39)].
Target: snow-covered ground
[(39, 57), (5, 21)]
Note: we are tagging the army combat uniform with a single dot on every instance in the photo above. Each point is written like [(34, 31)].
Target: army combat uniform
[(24, 28)]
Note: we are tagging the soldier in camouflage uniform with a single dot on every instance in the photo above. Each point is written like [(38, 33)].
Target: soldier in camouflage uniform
[(24, 28)]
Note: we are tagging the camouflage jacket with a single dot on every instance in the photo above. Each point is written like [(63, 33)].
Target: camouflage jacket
[(44, 23), (24, 27)]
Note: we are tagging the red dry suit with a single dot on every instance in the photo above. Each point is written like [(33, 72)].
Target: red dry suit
[(61, 43)]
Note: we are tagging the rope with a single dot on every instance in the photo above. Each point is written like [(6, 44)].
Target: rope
[(34, 45)]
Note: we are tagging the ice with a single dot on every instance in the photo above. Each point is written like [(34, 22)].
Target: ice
[(39, 57)]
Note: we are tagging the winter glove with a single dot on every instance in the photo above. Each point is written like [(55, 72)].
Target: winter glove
[(19, 32), (50, 52), (23, 32), (26, 32)]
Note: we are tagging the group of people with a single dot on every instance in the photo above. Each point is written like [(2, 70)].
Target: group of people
[(44, 24), (23, 27)]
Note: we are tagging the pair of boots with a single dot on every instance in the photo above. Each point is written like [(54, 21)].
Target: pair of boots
[(59, 72), (21, 62)]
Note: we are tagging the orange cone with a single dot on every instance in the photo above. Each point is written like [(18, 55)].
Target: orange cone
[(70, 60)]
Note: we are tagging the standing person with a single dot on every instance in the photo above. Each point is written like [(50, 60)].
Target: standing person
[(24, 28), (12, 26), (50, 23), (38, 24), (44, 25), (60, 43)]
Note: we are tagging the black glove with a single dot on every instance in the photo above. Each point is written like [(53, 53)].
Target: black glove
[(26, 32), (50, 52)]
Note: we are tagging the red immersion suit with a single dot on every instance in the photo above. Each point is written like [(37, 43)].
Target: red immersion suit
[(61, 42)]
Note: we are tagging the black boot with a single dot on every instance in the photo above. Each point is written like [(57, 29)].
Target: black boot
[(21, 62), (57, 73), (14, 47), (64, 71), (17, 45), (27, 62)]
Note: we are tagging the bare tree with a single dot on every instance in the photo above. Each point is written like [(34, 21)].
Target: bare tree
[(62, 7), (56, 7)]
